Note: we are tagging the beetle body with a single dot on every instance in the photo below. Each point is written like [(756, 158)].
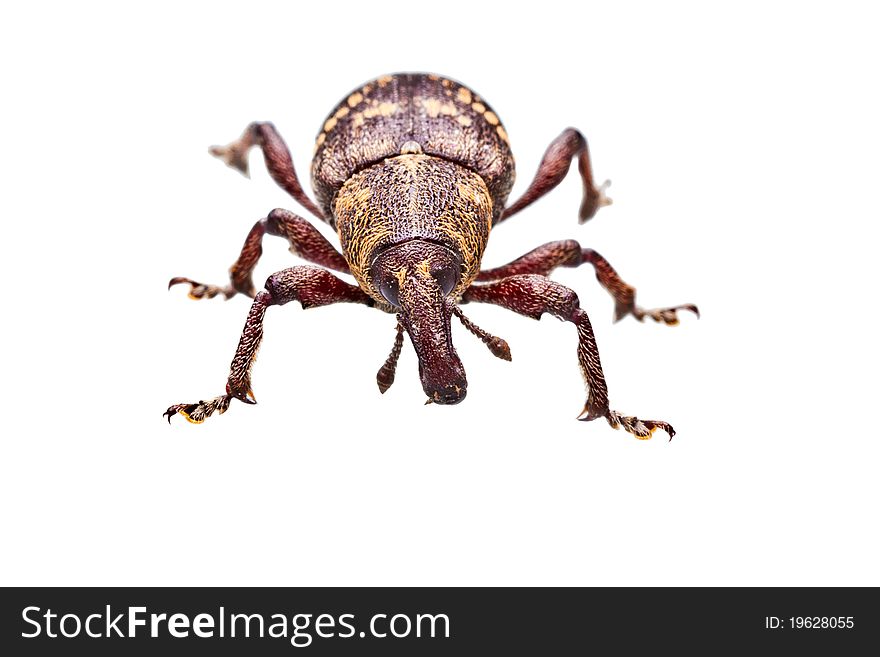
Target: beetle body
[(412, 157), (422, 161), (413, 171), (394, 113)]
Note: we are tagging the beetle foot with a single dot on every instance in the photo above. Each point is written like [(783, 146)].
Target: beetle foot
[(202, 291), (235, 154), (641, 429), (668, 316), (595, 199), (198, 412)]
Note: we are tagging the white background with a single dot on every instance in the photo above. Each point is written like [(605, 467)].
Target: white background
[(743, 145)]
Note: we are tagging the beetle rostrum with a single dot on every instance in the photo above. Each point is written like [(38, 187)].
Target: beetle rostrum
[(413, 172)]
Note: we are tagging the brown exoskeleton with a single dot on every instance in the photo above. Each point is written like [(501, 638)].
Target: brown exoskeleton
[(413, 171)]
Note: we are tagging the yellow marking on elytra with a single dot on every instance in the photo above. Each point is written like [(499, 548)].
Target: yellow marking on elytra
[(479, 108), (502, 133), (342, 111), (435, 108), (355, 99), (385, 79), (464, 95), (491, 118), (357, 120), (321, 138), (432, 107), (445, 83), (464, 120), (383, 109), (367, 89), (329, 124), (433, 77)]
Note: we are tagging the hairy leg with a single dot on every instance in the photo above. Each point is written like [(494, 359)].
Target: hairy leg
[(305, 241), (277, 156), (532, 296), (553, 168), (312, 287), (568, 253)]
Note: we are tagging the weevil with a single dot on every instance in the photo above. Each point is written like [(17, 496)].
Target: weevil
[(413, 172)]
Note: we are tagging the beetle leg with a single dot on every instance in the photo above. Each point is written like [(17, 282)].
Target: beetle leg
[(305, 241), (568, 253), (553, 168), (312, 287), (532, 296), (385, 375), (277, 156)]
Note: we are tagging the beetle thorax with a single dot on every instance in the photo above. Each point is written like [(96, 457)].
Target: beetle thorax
[(413, 197)]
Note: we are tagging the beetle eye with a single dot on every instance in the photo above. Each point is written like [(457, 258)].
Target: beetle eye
[(390, 290), (446, 276)]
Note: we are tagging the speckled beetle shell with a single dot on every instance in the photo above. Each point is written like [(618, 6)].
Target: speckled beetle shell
[(412, 156)]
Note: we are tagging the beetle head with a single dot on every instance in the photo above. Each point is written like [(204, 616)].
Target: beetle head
[(418, 276), (418, 198)]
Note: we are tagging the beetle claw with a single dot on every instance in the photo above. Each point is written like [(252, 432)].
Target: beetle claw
[(234, 156), (641, 429), (198, 412), (594, 199), (604, 199), (202, 291), (668, 316)]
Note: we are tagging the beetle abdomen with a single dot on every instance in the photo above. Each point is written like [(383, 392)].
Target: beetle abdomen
[(445, 118)]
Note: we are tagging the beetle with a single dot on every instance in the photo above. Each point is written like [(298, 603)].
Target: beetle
[(413, 171)]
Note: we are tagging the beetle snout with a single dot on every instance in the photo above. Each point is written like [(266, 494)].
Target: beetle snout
[(417, 276), (449, 395), (440, 369)]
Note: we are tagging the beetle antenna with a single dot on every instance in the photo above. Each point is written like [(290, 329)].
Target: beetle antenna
[(385, 376), (497, 346)]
